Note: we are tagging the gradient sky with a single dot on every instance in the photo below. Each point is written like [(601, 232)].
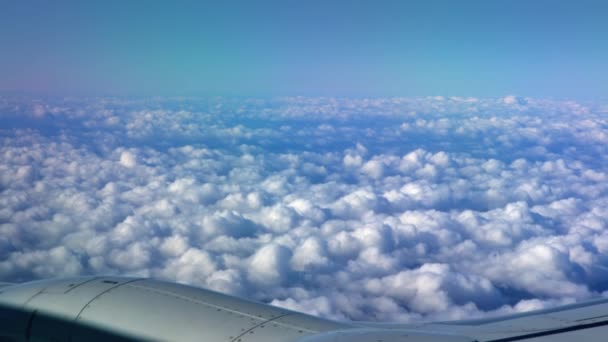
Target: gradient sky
[(314, 48)]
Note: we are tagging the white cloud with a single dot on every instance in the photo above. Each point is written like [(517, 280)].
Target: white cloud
[(373, 168), (510, 99), (269, 265), (127, 159), (372, 209), (309, 255)]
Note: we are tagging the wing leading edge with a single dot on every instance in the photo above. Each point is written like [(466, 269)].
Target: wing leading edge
[(132, 309)]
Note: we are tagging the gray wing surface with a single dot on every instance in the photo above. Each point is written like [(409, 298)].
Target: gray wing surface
[(132, 309), (587, 321), (2, 284)]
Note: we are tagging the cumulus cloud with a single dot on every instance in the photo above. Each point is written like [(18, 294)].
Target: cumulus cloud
[(368, 209), (127, 159)]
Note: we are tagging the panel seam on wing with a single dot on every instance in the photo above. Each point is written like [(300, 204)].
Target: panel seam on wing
[(101, 294), (258, 325), (219, 307)]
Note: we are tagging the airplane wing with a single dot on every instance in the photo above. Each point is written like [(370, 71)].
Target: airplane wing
[(133, 309), (587, 321)]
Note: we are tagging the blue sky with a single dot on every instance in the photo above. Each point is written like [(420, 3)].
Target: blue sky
[(363, 199), (313, 48)]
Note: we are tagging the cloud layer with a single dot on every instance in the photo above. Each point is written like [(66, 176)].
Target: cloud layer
[(370, 209)]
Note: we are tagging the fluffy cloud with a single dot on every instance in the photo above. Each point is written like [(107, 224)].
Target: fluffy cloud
[(369, 209)]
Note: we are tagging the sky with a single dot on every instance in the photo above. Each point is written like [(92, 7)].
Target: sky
[(263, 48), (358, 160)]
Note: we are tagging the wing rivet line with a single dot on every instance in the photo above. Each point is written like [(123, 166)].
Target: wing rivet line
[(251, 330)]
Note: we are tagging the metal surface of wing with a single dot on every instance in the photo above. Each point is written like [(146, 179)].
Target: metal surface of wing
[(2, 284), (132, 309), (586, 321)]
